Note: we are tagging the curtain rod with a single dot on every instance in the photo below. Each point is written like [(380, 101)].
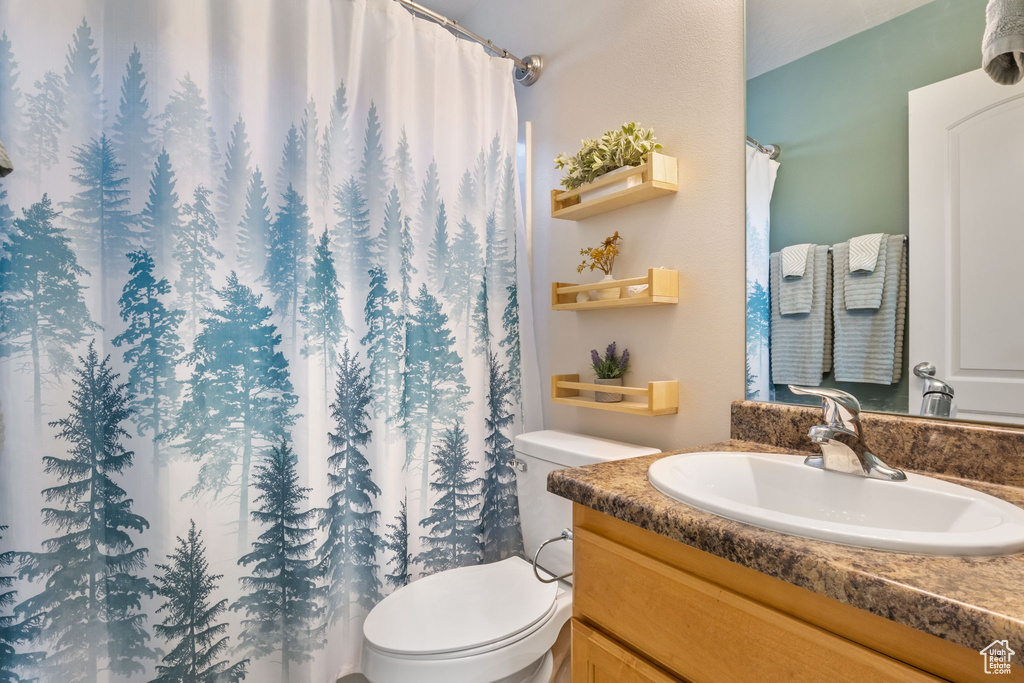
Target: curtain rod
[(527, 69), (773, 151)]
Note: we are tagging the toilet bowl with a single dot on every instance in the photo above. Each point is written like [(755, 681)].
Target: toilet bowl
[(492, 623)]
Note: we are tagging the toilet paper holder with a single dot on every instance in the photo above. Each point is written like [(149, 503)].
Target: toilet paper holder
[(566, 535)]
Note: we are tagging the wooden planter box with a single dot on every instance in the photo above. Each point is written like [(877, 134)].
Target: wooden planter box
[(662, 398), (662, 288), (659, 177)]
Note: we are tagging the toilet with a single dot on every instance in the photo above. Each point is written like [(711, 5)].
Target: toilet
[(492, 623)]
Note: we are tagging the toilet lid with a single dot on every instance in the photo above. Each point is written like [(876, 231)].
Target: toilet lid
[(460, 609)]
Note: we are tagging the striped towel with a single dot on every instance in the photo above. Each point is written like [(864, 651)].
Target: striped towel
[(869, 343), (797, 293), (801, 344), (864, 252), (826, 360), (901, 306), (864, 287), (794, 260)]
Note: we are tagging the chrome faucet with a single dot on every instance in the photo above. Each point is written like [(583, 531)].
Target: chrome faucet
[(937, 396), (842, 440)]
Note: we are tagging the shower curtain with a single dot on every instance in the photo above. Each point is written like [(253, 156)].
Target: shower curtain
[(260, 337), (761, 172)]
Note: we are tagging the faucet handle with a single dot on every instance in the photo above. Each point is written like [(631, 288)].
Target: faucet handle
[(932, 384), (841, 409)]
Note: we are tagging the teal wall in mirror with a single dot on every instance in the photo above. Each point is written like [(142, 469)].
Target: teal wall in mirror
[(840, 116)]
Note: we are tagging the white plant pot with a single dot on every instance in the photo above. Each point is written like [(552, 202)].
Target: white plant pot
[(626, 177), (606, 294), (605, 397)]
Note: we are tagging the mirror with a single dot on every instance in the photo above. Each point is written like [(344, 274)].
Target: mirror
[(869, 118)]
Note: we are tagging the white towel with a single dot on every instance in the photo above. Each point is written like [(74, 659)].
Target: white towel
[(794, 260), (801, 344), (864, 252), (1002, 48), (869, 343)]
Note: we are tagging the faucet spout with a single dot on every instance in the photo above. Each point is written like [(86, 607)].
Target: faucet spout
[(842, 441), (845, 451)]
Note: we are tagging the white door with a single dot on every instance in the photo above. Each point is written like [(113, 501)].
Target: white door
[(967, 243)]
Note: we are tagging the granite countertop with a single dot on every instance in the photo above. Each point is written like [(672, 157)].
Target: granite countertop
[(967, 600)]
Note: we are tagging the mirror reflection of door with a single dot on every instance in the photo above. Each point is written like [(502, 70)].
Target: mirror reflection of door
[(967, 232)]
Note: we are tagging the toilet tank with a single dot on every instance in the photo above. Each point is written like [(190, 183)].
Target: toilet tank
[(544, 514)]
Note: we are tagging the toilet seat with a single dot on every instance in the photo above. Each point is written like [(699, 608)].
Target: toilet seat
[(461, 611), (470, 652), (514, 657)]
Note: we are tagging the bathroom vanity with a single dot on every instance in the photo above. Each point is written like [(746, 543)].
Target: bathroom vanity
[(666, 592)]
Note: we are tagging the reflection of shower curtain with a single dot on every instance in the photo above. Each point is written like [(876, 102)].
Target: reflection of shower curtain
[(761, 172), (292, 226)]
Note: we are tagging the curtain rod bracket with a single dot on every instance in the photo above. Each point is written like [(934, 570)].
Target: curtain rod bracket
[(529, 75), (773, 151)]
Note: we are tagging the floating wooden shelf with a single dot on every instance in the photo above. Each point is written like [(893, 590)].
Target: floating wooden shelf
[(660, 177), (662, 397), (662, 288)]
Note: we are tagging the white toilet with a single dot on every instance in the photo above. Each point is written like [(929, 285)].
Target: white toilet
[(493, 623)]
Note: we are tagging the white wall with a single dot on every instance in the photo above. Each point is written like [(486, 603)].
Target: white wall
[(676, 66)]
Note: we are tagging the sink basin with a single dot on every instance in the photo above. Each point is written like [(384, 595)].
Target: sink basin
[(920, 515)]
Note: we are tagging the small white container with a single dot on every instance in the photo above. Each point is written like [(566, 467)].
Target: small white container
[(626, 177), (606, 294)]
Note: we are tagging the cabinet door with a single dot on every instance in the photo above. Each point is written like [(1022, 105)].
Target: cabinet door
[(709, 634), (599, 659)]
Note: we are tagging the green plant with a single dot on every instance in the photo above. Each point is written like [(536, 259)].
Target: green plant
[(612, 365), (628, 146), (601, 258)]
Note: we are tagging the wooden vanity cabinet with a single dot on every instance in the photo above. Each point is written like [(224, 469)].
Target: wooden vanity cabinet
[(596, 658), (647, 609)]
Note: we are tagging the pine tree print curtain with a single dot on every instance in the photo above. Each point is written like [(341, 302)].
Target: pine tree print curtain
[(761, 173), (259, 331)]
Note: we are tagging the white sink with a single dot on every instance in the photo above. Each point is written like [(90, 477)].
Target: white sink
[(920, 515)]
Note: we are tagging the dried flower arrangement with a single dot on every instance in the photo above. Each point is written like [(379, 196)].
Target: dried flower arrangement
[(602, 257)]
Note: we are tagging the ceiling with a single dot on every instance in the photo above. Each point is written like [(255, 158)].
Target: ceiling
[(780, 31), (453, 9)]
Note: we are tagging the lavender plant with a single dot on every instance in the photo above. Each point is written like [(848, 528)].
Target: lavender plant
[(612, 365)]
